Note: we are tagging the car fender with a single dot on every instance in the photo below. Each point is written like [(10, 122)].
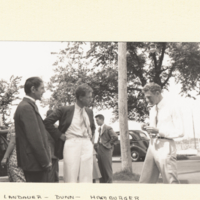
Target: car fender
[(139, 148)]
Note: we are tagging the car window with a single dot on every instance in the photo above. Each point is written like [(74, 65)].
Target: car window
[(134, 135), (143, 135)]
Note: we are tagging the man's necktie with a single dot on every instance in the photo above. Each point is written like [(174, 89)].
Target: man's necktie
[(156, 118), (99, 134), (86, 123)]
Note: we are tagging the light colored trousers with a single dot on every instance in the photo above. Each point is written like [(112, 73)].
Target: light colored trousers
[(160, 158), (78, 160)]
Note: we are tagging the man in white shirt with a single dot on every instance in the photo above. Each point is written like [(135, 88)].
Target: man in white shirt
[(165, 125), (73, 136)]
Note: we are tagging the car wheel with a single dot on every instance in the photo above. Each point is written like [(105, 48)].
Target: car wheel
[(135, 155)]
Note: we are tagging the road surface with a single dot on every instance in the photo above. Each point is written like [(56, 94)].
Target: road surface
[(188, 170)]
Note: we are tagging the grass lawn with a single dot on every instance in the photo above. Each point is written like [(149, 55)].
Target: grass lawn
[(125, 176)]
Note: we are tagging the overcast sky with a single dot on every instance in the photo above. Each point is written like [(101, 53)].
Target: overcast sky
[(29, 59)]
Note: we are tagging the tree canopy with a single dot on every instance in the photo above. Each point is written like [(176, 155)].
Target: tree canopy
[(8, 94), (95, 63)]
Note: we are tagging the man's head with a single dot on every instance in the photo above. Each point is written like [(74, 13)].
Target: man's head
[(99, 119), (34, 87), (84, 95), (152, 93)]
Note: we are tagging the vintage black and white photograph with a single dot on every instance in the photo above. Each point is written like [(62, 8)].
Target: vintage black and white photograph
[(100, 112)]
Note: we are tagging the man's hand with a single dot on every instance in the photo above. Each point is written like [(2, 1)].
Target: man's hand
[(3, 162), (3, 127), (48, 167), (143, 126), (63, 137)]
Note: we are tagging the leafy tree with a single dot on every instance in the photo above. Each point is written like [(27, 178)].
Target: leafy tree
[(8, 94), (96, 64)]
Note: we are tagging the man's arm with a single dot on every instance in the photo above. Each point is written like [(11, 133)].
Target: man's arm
[(34, 136), (113, 136), (49, 124)]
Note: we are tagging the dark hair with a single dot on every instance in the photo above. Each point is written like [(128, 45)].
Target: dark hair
[(100, 116), (152, 87), (30, 82), (49, 112), (82, 89)]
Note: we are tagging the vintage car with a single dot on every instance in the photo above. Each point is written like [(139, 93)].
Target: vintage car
[(139, 143)]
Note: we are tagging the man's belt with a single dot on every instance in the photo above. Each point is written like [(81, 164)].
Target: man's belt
[(161, 138), (70, 136), (164, 138)]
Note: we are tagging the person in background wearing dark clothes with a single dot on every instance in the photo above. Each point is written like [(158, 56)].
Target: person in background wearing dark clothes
[(15, 173), (105, 147), (96, 171), (32, 145), (54, 173)]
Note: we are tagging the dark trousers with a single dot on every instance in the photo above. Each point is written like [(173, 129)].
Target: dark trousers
[(105, 163), (36, 176), (44, 176), (53, 174)]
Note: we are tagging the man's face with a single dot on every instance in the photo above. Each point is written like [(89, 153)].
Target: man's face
[(39, 91), (99, 121), (87, 99), (152, 98)]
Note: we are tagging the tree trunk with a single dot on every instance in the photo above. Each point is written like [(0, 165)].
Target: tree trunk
[(123, 113)]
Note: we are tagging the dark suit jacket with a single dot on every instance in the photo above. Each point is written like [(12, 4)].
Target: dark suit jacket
[(65, 115), (108, 137), (33, 152)]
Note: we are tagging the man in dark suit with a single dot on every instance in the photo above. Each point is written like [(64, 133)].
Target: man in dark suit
[(33, 152), (73, 136), (105, 148)]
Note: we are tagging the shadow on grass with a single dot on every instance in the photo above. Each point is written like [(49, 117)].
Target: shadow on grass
[(125, 176)]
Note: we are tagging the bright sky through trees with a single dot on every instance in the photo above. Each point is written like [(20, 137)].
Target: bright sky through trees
[(28, 59)]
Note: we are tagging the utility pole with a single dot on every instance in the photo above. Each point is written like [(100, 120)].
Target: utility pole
[(193, 129), (122, 103)]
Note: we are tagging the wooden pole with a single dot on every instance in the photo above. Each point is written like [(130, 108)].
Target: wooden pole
[(193, 129), (122, 103)]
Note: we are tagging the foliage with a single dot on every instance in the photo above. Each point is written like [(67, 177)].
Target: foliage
[(96, 64), (8, 94)]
